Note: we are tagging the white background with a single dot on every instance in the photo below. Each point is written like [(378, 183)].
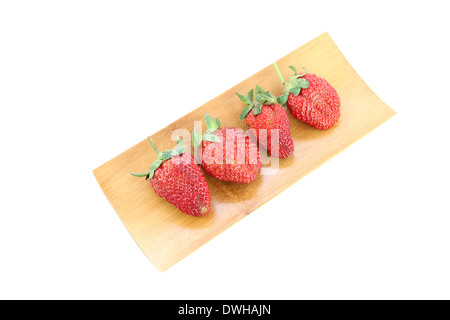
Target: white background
[(81, 81)]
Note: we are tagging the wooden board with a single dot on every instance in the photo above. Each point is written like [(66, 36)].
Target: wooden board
[(165, 234)]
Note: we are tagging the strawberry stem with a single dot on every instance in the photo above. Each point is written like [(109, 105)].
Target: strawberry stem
[(279, 72)]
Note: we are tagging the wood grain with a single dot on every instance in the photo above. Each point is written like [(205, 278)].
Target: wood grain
[(165, 234)]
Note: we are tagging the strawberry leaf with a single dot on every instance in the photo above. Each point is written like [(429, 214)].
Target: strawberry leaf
[(156, 164), (294, 69), (160, 158), (248, 102), (257, 110), (166, 155), (217, 122), (151, 171), (303, 83), (154, 147), (196, 139), (283, 99), (210, 123), (179, 149), (150, 174), (296, 82), (303, 74), (140, 175), (250, 96), (196, 142), (264, 97), (258, 88), (245, 112), (211, 137), (243, 99), (296, 90)]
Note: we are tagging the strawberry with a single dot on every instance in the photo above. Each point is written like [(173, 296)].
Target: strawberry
[(269, 121), (175, 177), (227, 153), (311, 99)]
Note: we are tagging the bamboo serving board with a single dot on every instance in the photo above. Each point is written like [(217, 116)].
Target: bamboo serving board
[(165, 234)]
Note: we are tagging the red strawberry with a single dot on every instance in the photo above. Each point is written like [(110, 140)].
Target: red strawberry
[(175, 177), (227, 153), (269, 121), (311, 99)]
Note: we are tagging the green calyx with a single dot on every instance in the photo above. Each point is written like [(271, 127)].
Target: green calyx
[(295, 83), (213, 125), (248, 101), (161, 157), (262, 98), (197, 138)]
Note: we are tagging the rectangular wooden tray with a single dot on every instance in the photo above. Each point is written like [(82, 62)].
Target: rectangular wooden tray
[(165, 234)]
